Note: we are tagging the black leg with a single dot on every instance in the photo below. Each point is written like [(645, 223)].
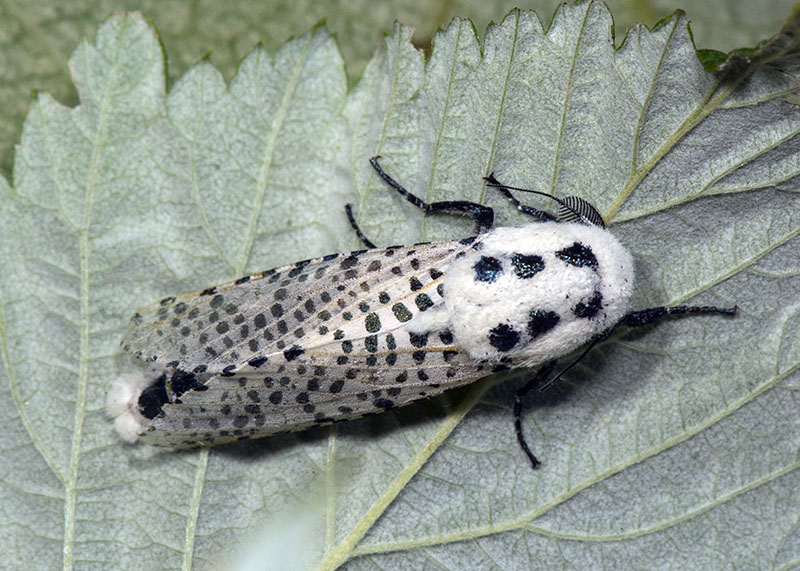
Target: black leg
[(348, 208), (541, 374), (646, 316), (638, 319), (540, 215), (633, 319), (483, 215), (602, 337)]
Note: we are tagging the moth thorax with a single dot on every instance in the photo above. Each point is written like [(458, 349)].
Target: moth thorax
[(536, 292)]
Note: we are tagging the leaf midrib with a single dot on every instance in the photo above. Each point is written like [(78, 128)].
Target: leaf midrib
[(70, 485)]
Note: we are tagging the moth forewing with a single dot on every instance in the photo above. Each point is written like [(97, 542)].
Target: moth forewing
[(331, 338)]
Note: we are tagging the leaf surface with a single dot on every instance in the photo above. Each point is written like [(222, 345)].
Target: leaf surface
[(672, 446)]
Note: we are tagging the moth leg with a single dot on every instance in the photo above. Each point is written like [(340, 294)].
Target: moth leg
[(646, 316), (483, 215), (348, 208), (540, 215), (632, 319), (638, 319), (543, 372)]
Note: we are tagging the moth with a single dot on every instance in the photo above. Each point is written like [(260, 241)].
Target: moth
[(346, 335)]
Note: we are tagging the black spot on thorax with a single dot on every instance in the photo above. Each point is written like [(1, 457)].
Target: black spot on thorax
[(503, 337), (526, 266), (590, 308), (541, 321), (488, 269), (578, 255)]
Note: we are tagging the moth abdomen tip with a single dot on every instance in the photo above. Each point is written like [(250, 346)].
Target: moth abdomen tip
[(123, 404)]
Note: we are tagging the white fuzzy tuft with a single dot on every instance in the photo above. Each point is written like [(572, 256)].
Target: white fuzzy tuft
[(123, 399), (435, 319)]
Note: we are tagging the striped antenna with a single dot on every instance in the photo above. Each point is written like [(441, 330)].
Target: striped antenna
[(571, 208)]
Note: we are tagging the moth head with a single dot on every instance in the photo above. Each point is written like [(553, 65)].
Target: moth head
[(576, 209)]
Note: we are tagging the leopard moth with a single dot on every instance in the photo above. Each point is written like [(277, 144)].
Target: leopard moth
[(346, 335)]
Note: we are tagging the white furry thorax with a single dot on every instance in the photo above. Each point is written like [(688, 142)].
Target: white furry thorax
[(536, 292)]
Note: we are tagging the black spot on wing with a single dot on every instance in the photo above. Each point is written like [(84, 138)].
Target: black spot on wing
[(423, 301), (154, 397), (293, 353), (181, 382), (401, 312), (256, 362), (372, 323), (418, 339)]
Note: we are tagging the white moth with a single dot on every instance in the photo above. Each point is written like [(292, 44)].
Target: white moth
[(346, 335)]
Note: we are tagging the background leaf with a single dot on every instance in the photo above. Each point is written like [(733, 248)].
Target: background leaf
[(674, 446), (35, 38)]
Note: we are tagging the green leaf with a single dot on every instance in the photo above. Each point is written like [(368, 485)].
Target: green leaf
[(36, 36), (673, 446)]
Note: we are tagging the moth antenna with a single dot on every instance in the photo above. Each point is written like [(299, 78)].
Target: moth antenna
[(571, 208)]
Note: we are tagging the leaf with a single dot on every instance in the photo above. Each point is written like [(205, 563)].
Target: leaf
[(659, 437), (34, 37)]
